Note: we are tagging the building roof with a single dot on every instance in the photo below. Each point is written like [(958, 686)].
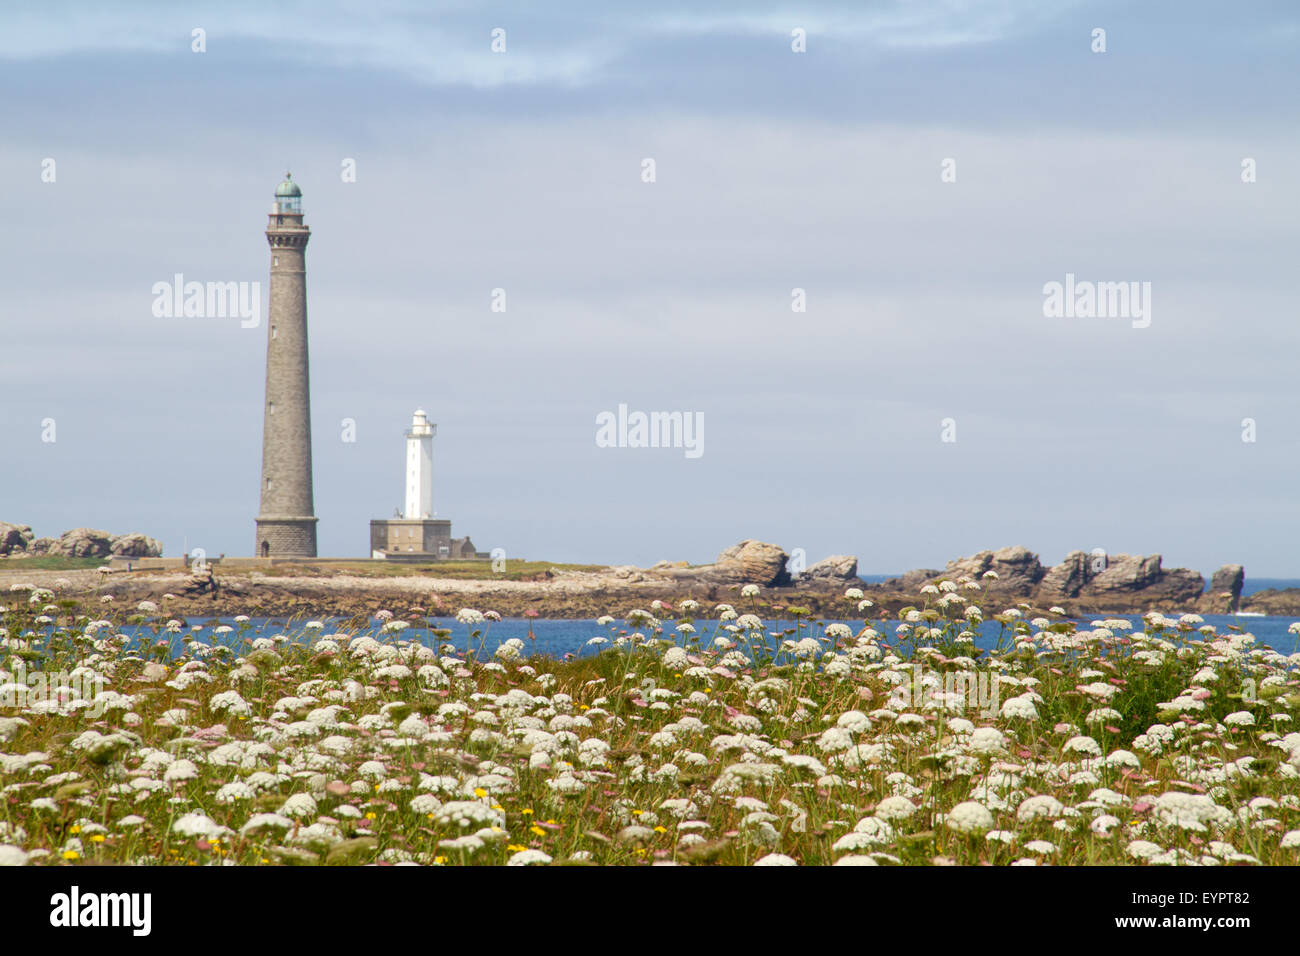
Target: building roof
[(287, 188)]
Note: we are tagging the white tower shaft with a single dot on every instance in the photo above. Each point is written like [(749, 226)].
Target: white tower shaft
[(419, 467)]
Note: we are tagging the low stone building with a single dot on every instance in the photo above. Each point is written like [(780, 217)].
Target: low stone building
[(423, 538)]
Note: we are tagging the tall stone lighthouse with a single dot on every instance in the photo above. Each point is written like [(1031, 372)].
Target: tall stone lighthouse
[(286, 523)]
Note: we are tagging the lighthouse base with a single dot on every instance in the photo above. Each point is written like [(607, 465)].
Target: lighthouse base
[(285, 536)]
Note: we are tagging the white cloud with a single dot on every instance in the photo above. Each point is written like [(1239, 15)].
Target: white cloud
[(449, 44)]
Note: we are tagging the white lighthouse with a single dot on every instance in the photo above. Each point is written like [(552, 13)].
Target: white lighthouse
[(419, 467), (415, 534)]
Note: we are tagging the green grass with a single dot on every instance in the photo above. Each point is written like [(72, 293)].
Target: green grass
[(49, 563), (480, 570)]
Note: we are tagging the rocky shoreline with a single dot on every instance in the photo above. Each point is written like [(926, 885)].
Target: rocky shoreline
[(1083, 584)]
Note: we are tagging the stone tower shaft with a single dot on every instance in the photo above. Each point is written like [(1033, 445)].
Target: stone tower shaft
[(286, 522)]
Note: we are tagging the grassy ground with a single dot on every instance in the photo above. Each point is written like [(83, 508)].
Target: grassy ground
[(49, 563), (464, 570), (688, 737)]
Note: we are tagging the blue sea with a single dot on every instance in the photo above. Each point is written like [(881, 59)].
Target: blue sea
[(558, 639)]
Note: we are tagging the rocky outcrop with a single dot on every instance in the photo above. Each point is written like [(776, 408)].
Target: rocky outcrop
[(1284, 602), (1225, 587), (84, 543), (1018, 569), (17, 541), (136, 545), (754, 562), (1068, 578), (1117, 577), (1127, 574), (838, 569), (912, 581), (43, 546), (1087, 580), (14, 537)]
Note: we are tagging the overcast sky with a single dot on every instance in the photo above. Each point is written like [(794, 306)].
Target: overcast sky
[(775, 170)]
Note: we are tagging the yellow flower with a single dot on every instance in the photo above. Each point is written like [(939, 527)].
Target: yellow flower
[(538, 830), (526, 810), (430, 816), (637, 813), (439, 859), (515, 848), (70, 854), (480, 792), (265, 860), (74, 829), (554, 823), (497, 806), (584, 707), (661, 829), (97, 838), (371, 815)]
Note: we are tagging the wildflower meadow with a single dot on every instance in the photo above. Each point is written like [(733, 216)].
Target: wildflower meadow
[(684, 734)]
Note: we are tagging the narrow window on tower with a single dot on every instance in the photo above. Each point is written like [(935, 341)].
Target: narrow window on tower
[(273, 331)]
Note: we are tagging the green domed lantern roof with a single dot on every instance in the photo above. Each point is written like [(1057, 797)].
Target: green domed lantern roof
[(288, 197), (287, 188)]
